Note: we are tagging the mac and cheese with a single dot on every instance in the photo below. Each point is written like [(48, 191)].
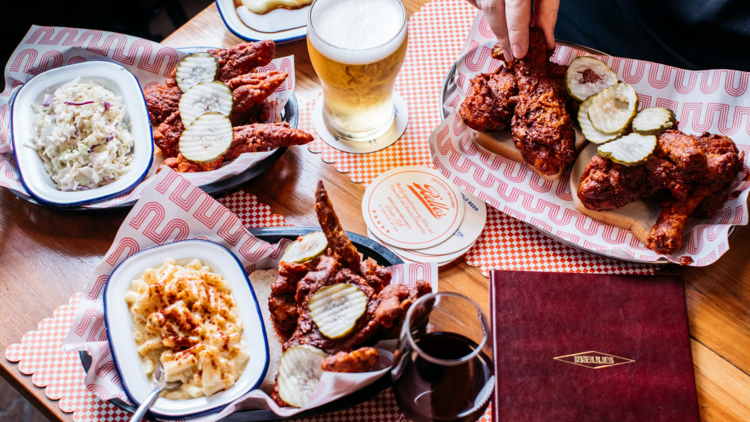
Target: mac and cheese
[(186, 317)]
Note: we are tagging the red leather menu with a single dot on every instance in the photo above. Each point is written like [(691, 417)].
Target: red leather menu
[(590, 348)]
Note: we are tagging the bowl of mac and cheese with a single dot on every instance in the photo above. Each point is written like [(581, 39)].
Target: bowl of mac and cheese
[(190, 306)]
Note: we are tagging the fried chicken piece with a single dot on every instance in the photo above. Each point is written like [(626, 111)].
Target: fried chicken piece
[(167, 135), (490, 101), (666, 235), (252, 89), (360, 360), (606, 185), (338, 241), (542, 126), (265, 137), (162, 100), (395, 301), (182, 165), (250, 138), (694, 172), (243, 58)]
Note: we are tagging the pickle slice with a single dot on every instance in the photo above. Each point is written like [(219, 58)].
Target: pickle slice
[(587, 76), (299, 373), (336, 309), (207, 139), (629, 150), (194, 69), (652, 120), (591, 134), (204, 98), (307, 248), (612, 109)]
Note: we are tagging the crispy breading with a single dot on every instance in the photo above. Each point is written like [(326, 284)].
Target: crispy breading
[(490, 101), (360, 360), (692, 172), (182, 165), (338, 241), (162, 100), (252, 89), (243, 58), (167, 135), (542, 126), (265, 137)]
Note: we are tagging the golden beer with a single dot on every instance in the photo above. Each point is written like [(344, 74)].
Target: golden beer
[(357, 49)]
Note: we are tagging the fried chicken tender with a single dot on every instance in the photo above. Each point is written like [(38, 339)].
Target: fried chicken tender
[(542, 126), (162, 100), (250, 138), (692, 173), (243, 58), (265, 137), (360, 360), (252, 89), (167, 135), (337, 238), (490, 101)]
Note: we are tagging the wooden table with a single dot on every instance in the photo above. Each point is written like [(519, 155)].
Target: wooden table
[(47, 256)]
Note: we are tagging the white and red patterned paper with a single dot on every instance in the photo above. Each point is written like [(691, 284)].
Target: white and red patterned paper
[(717, 105), (61, 374), (173, 209), (45, 48), (436, 36)]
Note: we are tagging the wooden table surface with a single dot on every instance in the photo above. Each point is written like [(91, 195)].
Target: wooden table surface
[(48, 255)]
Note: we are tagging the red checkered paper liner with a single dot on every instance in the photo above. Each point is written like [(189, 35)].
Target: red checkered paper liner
[(436, 36), (46, 47), (517, 191)]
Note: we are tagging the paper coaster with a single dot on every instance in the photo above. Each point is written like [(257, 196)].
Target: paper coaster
[(387, 139), (415, 256), (413, 207), (471, 227)]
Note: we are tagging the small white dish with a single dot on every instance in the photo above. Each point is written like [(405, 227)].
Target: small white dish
[(280, 26), (111, 76), (119, 324)]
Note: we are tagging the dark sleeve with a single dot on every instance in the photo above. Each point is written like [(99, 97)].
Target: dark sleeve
[(690, 34)]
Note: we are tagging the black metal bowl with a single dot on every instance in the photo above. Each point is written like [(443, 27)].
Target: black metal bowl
[(370, 249)]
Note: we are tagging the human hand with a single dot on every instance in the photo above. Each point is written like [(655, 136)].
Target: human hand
[(510, 20)]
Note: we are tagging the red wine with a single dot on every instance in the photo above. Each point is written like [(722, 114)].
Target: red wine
[(428, 392)]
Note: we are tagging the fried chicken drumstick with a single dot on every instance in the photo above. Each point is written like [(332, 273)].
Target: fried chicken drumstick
[(529, 96), (692, 172), (297, 283)]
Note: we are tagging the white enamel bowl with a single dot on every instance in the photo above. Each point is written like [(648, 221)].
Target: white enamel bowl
[(120, 326), (111, 76)]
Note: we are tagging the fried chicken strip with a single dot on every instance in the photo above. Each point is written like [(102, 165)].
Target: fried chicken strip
[(360, 360), (338, 241), (243, 58), (250, 138), (167, 135), (162, 100), (252, 89), (265, 137)]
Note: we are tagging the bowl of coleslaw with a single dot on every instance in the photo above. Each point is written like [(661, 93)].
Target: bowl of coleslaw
[(81, 134)]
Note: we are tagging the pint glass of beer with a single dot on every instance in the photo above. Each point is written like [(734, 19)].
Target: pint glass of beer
[(357, 48)]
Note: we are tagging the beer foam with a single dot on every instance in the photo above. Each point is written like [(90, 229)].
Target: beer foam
[(356, 31)]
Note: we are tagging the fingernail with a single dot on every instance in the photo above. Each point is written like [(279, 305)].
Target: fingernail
[(517, 51)]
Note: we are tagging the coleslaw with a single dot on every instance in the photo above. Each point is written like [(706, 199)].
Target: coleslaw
[(81, 136)]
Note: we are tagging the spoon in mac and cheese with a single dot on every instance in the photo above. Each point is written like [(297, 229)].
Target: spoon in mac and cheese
[(160, 380)]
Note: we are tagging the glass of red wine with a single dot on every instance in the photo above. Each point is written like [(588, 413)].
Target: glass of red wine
[(442, 368)]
